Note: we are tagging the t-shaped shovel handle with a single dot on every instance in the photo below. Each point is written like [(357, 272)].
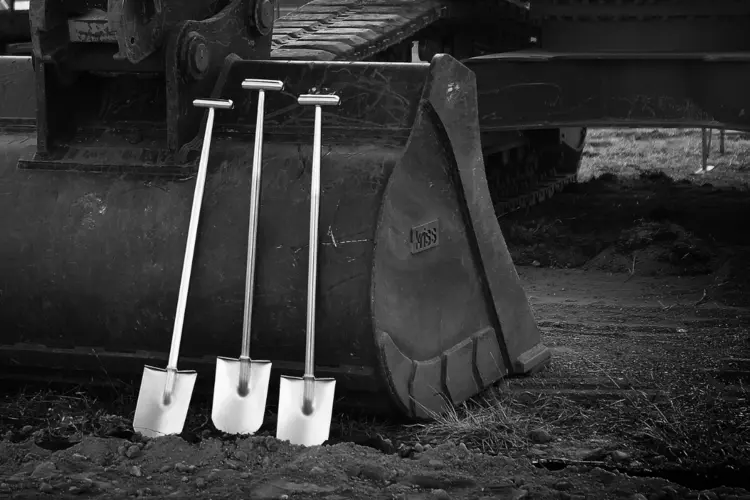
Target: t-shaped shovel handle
[(187, 266), (309, 378), (261, 86)]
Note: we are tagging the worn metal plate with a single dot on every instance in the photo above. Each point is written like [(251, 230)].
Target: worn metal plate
[(536, 89), (425, 236)]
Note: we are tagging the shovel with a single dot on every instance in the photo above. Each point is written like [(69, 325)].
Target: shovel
[(306, 404), (165, 394), (241, 385)]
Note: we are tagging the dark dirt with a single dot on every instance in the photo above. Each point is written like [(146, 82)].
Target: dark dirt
[(639, 282)]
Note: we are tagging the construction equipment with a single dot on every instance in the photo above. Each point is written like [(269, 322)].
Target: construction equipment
[(15, 37), (241, 385), (306, 403), (165, 394), (419, 304)]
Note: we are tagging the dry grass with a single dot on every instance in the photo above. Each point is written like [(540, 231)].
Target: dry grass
[(58, 415), (493, 423), (663, 405), (675, 152)]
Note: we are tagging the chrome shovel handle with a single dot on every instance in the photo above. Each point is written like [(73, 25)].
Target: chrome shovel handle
[(187, 266), (261, 86), (318, 101)]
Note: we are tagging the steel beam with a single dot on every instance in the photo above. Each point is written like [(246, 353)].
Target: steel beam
[(532, 90)]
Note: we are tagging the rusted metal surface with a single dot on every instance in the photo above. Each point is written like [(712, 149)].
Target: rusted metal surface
[(547, 90), (91, 27)]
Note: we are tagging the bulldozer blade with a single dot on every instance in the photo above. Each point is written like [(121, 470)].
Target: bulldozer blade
[(418, 299)]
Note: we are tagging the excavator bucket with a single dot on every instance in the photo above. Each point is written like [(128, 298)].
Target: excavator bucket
[(418, 299)]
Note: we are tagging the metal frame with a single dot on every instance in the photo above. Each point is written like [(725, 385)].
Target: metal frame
[(534, 89)]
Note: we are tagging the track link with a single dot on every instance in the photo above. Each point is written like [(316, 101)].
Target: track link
[(355, 30)]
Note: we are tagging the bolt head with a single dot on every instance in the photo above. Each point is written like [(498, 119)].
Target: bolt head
[(201, 56), (264, 16)]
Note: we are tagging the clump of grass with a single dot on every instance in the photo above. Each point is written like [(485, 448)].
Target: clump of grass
[(492, 424), (59, 414)]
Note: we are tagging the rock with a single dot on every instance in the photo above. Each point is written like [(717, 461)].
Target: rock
[(518, 494), (418, 448), (183, 467), (46, 488), (200, 483), (620, 456), (563, 485), (135, 471), (462, 447), (240, 455), (121, 450), (133, 451), (594, 455), (165, 468), (373, 472), (317, 470), (440, 494), (427, 447), (45, 470), (603, 476), (26, 429), (436, 464), (638, 496), (266, 463), (540, 436)]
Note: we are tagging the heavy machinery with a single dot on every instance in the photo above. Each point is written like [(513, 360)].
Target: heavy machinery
[(419, 303), (15, 36)]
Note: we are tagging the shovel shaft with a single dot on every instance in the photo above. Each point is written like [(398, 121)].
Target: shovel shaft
[(243, 387), (253, 229), (312, 279), (187, 266)]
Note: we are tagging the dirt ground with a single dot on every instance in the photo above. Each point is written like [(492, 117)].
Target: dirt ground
[(639, 279)]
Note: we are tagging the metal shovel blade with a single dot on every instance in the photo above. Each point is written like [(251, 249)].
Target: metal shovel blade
[(153, 418), (293, 425), (235, 413)]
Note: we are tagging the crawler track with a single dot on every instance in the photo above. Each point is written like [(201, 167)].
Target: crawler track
[(354, 30)]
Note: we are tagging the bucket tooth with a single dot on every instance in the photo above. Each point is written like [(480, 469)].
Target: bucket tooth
[(418, 300)]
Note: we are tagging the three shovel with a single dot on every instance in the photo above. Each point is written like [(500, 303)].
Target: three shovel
[(306, 404), (241, 385), (165, 395)]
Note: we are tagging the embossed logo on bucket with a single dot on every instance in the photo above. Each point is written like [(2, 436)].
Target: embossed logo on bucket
[(425, 237)]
